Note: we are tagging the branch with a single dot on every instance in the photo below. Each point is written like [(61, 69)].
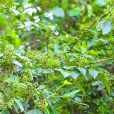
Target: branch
[(102, 60), (15, 109), (91, 26)]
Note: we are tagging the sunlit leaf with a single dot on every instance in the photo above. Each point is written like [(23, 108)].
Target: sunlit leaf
[(82, 70), (35, 111), (18, 102), (2, 19), (70, 93), (102, 79), (93, 72), (64, 4), (58, 11), (17, 39), (8, 30), (41, 87), (58, 74), (17, 63), (57, 48), (52, 28), (105, 26), (1, 54), (78, 85), (75, 11), (15, 11)]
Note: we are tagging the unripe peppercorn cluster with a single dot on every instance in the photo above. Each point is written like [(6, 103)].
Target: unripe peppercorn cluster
[(23, 18), (83, 61), (7, 58), (6, 4), (48, 32), (42, 104), (111, 40), (49, 61), (25, 88), (50, 46), (26, 76), (31, 55), (9, 3), (2, 8), (5, 105)]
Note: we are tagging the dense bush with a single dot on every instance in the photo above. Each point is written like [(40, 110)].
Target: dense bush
[(50, 65)]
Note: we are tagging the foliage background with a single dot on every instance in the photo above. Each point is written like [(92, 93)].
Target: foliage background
[(56, 57)]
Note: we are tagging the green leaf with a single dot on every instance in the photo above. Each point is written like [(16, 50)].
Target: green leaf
[(15, 11), (6, 99), (93, 72), (12, 79), (105, 26), (17, 63), (78, 99), (18, 102), (1, 54), (26, 105), (8, 30), (35, 111), (58, 74), (57, 48), (75, 74), (65, 74), (64, 4), (102, 79), (47, 71), (35, 24), (96, 83), (12, 34), (75, 11), (100, 2), (2, 19), (1, 42), (16, 79), (70, 93), (46, 111), (4, 111), (99, 26), (101, 87), (79, 86), (41, 87), (31, 75), (17, 40), (89, 8), (58, 11), (84, 44), (82, 70), (52, 28)]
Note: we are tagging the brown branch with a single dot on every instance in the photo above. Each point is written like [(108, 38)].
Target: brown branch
[(91, 26)]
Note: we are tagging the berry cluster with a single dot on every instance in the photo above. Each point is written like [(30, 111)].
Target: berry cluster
[(83, 61), (42, 104), (23, 18), (8, 57)]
